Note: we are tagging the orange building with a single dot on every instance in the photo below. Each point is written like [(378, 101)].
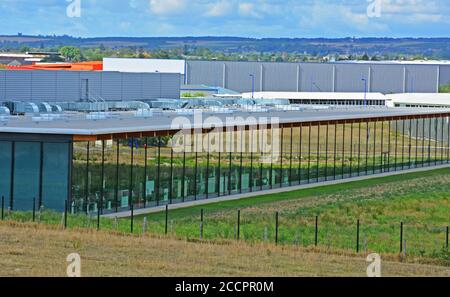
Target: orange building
[(81, 66)]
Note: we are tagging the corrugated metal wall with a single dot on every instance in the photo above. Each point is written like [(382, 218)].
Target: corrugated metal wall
[(2, 86), (387, 79), (325, 77), (74, 85), (444, 75)]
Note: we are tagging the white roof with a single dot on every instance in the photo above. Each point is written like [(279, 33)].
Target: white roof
[(315, 95), (16, 55), (144, 65), (421, 98)]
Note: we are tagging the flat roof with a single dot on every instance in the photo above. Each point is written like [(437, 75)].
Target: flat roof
[(316, 95), (127, 123), (438, 99)]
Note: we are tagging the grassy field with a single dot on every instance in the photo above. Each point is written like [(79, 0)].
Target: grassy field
[(420, 200), (28, 249)]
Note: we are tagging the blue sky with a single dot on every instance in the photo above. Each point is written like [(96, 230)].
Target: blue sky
[(246, 18)]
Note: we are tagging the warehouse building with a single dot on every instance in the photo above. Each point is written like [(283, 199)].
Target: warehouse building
[(123, 160), (381, 77), (68, 86)]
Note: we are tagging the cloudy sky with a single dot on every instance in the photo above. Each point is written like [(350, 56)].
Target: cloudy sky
[(245, 18)]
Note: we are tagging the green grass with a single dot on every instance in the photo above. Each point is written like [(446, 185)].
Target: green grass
[(421, 200)]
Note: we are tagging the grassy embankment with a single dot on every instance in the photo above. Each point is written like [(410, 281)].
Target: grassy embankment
[(420, 200), (28, 249)]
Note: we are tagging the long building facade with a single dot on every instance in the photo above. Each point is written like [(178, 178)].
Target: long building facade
[(385, 78), (72, 86), (110, 171)]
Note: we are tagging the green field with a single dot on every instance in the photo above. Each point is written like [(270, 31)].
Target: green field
[(421, 200)]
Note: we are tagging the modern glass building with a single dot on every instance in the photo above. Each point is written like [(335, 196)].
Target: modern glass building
[(108, 165)]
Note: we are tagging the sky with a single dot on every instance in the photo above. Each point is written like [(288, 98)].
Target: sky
[(243, 18)]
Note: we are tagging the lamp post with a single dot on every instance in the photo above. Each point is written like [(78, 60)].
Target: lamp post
[(253, 85), (365, 91)]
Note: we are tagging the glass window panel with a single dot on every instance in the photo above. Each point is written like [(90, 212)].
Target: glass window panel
[(79, 177), (110, 177), (55, 175), (125, 146), (94, 175), (5, 170), (26, 174)]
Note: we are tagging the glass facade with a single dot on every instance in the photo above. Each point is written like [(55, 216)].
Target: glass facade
[(146, 171), (35, 171), (151, 170)]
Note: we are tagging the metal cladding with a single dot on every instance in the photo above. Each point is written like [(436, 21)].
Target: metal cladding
[(60, 86), (319, 77)]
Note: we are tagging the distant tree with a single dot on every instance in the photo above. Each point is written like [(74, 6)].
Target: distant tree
[(52, 59), (71, 54), (365, 57), (444, 88), (24, 49)]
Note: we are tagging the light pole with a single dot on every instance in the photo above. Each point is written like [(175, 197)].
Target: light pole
[(253, 85), (365, 91)]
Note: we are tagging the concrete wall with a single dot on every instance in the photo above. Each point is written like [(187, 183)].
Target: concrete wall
[(72, 85), (316, 77)]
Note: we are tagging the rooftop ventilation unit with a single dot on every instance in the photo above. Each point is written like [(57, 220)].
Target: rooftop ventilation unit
[(45, 107), (4, 111), (128, 105), (19, 107), (56, 108)]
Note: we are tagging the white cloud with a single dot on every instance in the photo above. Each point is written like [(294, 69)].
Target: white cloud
[(167, 7), (220, 8), (247, 9)]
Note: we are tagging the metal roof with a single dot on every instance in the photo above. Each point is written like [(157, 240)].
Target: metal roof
[(127, 123)]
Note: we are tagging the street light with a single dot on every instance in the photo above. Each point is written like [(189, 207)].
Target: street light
[(365, 91), (253, 85)]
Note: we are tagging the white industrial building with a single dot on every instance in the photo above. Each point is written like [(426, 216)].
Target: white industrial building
[(420, 99), (327, 98)]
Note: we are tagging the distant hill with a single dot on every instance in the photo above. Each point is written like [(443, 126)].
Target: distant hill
[(430, 47)]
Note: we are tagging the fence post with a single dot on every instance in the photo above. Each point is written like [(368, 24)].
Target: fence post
[(167, 218), (3, 208), (276, 227), (357, 236), (446, 237), (65, 213), (316, 233), (132, 217), (98, 218), (201, 224), (34, 209), (401, 237), (238, 233)]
